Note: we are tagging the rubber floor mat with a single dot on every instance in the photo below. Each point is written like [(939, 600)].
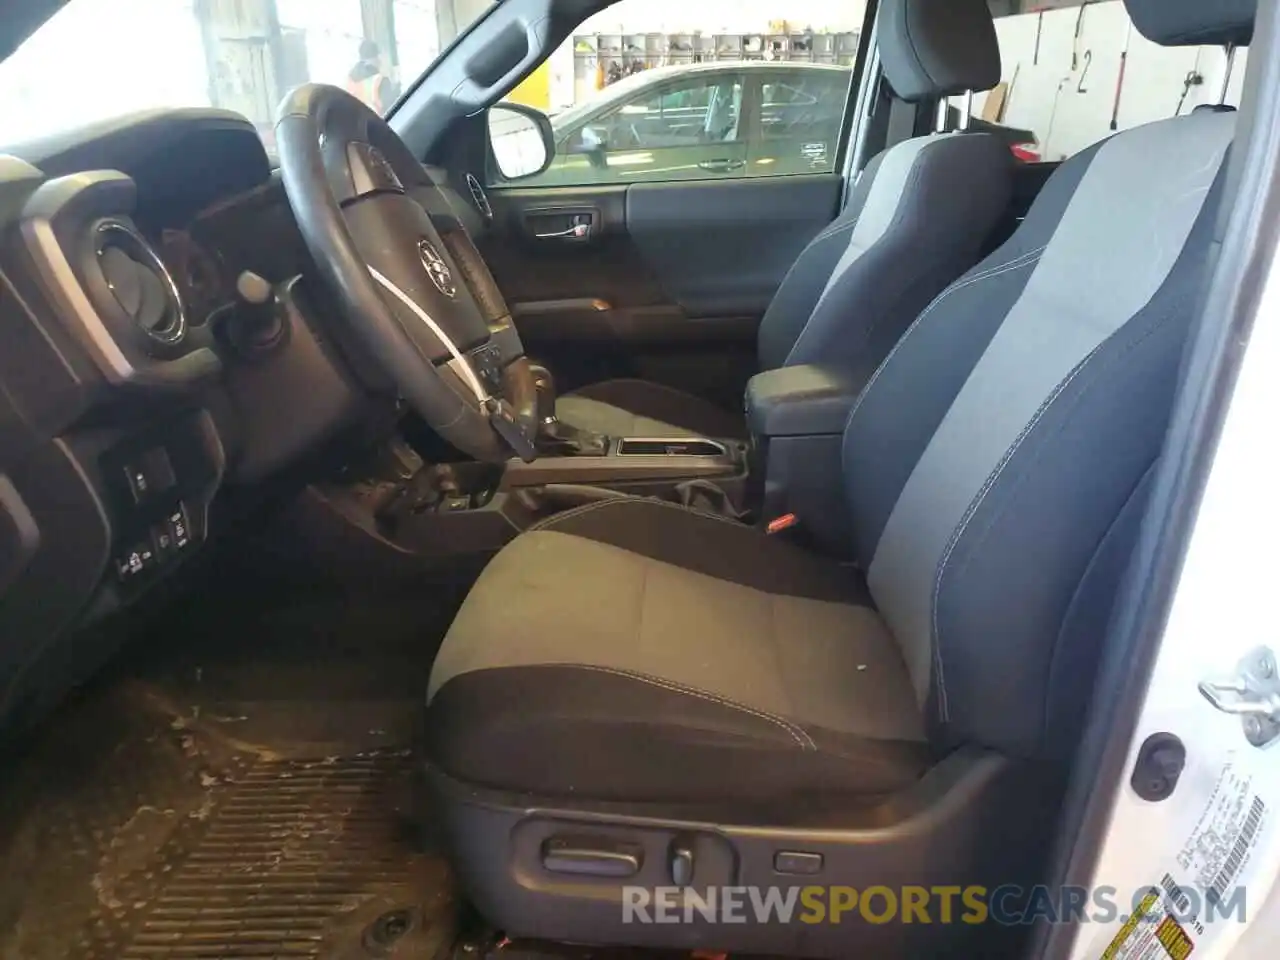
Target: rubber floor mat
[(150, 836)]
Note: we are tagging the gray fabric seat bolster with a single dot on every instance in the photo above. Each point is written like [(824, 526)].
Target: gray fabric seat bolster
[(914, 234), (1089, 331)]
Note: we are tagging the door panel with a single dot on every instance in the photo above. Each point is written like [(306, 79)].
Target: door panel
[(721, 249), (665, 281)]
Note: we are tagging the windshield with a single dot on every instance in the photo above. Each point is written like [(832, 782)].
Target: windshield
[(99, 58)]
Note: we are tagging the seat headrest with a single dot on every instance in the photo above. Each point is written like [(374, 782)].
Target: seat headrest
[(938, 48), (1190, 23)]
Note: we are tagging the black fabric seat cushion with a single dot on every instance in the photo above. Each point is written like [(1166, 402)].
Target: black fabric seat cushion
[(639, 408), (635, 650)]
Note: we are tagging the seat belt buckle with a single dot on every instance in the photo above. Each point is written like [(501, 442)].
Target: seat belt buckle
[(782, 523)]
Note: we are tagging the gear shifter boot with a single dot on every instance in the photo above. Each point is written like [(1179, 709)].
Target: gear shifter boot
[(559, 439)]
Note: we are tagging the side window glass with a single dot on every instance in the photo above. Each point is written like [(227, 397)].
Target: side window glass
[(642, 92), (683, 116), (646, 129), (800, 114)]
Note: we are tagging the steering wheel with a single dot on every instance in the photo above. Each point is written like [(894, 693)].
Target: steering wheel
[(410, 281)]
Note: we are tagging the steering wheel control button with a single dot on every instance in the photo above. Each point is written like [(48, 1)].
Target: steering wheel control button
[(371, 171), (797, 863), (487, 362)]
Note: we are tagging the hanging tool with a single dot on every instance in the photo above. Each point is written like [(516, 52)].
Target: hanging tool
[(1053, 116), (1124, 64), (1008, 94), (1194, 78), (1035, 59), (1088, 62), (1075, 41)]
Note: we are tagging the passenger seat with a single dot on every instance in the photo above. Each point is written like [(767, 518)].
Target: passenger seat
[(917, 219)]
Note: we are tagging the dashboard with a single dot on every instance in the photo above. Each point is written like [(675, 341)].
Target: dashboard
[(143, 395)]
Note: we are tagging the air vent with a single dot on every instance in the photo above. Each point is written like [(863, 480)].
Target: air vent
[(477, 194), (140, 282)]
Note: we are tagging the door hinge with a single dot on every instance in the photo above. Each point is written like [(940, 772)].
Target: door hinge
[(1253, 694)]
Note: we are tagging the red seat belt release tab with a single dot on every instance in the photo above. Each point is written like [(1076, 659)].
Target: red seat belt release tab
[(784, 522)]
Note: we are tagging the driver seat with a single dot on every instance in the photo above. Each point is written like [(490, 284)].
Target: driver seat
[(638, 696), (905, 233)]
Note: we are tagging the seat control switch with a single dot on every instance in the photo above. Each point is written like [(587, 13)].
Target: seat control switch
[(797, 863), (681, 863), (584, 857)]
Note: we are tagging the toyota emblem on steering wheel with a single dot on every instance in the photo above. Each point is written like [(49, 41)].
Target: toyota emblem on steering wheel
[(437, 269)]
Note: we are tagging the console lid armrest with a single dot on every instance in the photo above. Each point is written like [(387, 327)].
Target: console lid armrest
[(804, 400)]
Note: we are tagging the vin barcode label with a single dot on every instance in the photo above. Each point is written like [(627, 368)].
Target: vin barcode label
[(1177, 896), (1235, 859)]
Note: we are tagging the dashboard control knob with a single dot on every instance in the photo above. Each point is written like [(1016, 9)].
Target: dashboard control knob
[(253, 288)]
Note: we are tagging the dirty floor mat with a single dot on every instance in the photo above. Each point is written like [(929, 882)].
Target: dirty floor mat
[(246, 794), (143, 834)]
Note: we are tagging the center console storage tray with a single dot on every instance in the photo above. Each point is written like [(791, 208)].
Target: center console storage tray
[(687, 447)]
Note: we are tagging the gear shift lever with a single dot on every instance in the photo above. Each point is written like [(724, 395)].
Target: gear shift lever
[(559, 439), (545, 385)]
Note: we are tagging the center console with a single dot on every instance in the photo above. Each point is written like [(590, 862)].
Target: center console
[(403, 517), (645, 465), (401, 512), (637, 464), (797, 417)]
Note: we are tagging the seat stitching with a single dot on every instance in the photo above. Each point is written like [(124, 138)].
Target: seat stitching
[(635, 429), (917, 171), (900, 213), (645, 568), (1004, 462), (558, 518), (584, 393), (797, 733), (833, 231), (701, 514), (1029, 257), (974, 506)]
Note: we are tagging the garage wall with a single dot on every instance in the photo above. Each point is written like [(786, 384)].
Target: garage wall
[(1046, 96), (725, 16)]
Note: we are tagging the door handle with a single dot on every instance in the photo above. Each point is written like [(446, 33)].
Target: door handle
[(573, 226), (722, 166), (579, 231)]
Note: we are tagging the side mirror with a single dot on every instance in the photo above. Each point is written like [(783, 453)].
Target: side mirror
[(522, 140)]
